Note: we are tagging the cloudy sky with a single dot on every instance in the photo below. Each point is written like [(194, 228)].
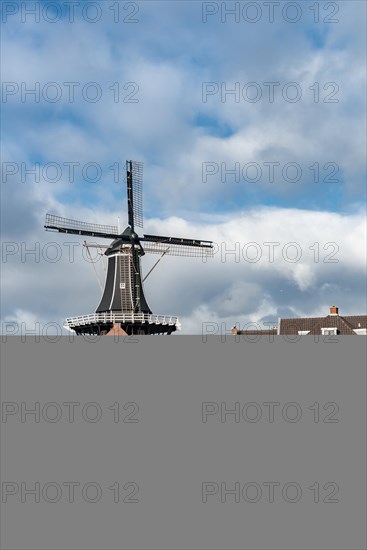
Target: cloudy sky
[(250, 120)]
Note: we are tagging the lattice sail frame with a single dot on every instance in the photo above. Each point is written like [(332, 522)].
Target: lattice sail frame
[(178, 250), (137, 190), (68, 225)]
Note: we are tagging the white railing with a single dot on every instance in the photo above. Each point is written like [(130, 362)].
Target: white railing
[(110, 317)]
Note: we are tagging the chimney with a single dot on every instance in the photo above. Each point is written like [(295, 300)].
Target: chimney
[(334, 310)]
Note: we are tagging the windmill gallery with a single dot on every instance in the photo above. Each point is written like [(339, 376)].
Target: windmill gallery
[(123, 307)]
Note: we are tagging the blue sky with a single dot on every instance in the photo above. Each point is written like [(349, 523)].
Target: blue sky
[(177, 91)]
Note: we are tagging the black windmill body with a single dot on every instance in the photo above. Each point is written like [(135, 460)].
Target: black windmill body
[(123, 301)]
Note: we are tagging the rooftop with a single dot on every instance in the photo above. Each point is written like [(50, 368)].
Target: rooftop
[(333, 323)]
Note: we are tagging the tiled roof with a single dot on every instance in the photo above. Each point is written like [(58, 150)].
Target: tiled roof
[(356, 320), (344, 325)]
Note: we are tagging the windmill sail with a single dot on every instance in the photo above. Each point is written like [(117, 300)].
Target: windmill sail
[(175, 246), (178, 250), (66, 225), (134, 174)]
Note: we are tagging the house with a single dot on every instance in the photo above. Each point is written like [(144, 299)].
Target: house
[(331, 324)]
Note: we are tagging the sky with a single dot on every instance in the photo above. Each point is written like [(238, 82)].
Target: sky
[(250, 120)]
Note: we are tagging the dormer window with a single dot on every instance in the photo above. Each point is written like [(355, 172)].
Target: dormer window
[(333, 331), (361, 331)]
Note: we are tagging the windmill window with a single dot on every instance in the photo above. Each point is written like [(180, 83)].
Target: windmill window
[(122, 286)]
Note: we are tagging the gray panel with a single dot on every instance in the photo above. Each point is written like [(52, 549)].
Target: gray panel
[(158, 420)]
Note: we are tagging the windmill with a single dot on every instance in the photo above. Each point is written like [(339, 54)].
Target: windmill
[(123, 302)]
